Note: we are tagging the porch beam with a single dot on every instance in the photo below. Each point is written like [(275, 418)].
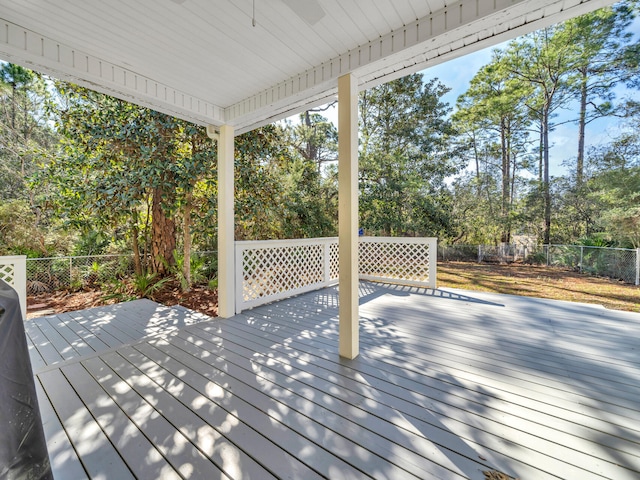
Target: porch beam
[(39, 52), (349, 342), (459, 28), (226, 225)]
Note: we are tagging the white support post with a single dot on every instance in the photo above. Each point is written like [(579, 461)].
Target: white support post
[(637, 266), (349, 343), (226, 225)]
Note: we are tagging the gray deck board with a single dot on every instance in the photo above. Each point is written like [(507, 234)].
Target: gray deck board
[(351, 416), (97, 454), (46, 350), (448, 384), (203, 396), (37, 361), (130, 443), (66, 336), (75, 332), (167, 437), (554, 452), (93, 333), (292, 429), (62, 457)]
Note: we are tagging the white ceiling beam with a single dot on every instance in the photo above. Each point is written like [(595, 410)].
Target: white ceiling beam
[(37, 52), (458, 29)]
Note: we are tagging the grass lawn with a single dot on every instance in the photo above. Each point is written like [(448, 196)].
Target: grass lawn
[(540, 281)]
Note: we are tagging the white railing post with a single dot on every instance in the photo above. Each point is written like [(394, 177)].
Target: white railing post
[(637, 266), (327, 261), (433, 261), (238, 276), (13, 270)]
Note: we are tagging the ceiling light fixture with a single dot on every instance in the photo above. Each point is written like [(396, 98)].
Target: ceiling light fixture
[(253, 17)]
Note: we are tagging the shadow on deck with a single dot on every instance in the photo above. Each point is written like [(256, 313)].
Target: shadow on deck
[(448, 384)]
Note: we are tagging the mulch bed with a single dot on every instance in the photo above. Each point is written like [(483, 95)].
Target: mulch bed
[(199, 298)]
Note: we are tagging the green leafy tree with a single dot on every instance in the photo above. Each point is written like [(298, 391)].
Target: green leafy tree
[(315, 138), (25, 138), (603, 56), (310, 177), (493, 115), (543, 61), (120, 164), (614, 184), (24, 131), (405, 157)]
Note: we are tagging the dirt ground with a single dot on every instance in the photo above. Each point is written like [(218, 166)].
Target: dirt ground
[(199, 298), (514, 279), (540, 281)]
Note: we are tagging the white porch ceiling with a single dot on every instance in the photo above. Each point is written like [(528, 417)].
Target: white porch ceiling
[(202, 60)]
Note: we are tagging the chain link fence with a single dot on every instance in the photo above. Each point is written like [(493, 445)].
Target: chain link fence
[(457, 253), (504, 253), (618, 263), (60, 273)]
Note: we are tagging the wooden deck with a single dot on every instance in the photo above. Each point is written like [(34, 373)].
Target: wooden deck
[(448, 384)]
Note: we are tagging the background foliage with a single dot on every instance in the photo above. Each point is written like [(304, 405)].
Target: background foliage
[(84, 173)]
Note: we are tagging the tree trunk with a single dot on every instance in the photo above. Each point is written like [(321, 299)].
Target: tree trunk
[(477, 159), (186, 262), (137, 265), (506, 177), (163, 236), (545, 182), (541, 153), (581, 128)]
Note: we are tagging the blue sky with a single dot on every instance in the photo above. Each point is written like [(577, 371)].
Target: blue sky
[(457, 74)]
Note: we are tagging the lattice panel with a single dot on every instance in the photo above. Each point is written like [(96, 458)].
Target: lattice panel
[(270, 271), (334, 264), (401, 261), (8, 273)]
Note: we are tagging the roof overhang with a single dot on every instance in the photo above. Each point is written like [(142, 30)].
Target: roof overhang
[(34, 40)]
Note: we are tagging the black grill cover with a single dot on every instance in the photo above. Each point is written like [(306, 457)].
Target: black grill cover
[(23, 449)]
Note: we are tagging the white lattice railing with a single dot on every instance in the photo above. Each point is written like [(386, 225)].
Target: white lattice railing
[(13, 270), (410, 261), (270, 270)]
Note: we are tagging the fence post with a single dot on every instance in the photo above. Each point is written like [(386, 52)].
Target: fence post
[(637, 266), (581, 255), (548, 248), (479, 253)]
